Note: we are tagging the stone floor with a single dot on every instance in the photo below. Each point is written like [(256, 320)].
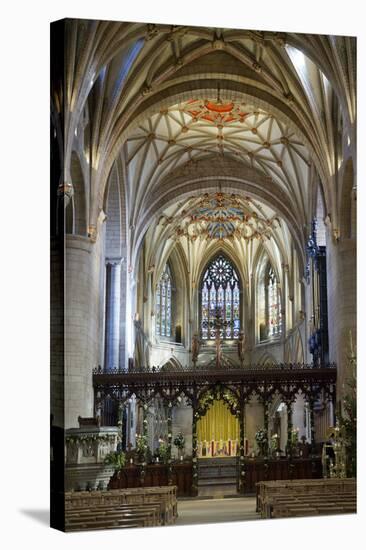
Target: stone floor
[(216, 510)]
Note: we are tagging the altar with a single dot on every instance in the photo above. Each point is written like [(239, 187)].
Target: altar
[(218, 432), (220, 449)]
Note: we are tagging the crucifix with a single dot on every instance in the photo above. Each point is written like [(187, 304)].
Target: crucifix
[(218, 324)]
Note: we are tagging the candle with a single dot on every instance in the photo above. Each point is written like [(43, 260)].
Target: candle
[(181, 458), (131, 460), (157, 459)]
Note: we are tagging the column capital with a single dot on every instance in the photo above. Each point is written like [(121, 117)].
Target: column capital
[(114, 261)]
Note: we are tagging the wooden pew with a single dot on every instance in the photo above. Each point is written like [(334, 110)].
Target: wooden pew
[(310, 508), (149, 514), (144, 506), (266, 490), (143, 516)]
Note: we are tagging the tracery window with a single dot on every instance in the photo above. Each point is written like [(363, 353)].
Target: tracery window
[(163, 301), (220, 297), (273, 304)]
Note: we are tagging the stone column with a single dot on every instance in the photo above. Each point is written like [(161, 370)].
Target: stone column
[(83, 261), (342, 303), (112, 313)]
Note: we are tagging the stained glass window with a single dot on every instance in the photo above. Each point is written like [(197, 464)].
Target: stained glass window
[(220, 296), (163, 304), (273, 304)]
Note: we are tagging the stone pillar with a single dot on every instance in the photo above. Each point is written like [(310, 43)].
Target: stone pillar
[(342, 303), (112, 313), (83, 261)]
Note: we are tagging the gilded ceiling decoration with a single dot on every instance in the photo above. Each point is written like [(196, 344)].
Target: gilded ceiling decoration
[(218, 111), (220, 216)]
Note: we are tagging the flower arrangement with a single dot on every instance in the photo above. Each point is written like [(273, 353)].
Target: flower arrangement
[(162, 452), (116, 459), (179, 441), (274, 442), (141, 444)]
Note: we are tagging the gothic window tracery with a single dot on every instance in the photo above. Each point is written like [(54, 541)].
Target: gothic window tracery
[(163, 301), (273, 304), (220, 296)]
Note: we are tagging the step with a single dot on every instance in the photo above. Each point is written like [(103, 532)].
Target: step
[(206, 482)]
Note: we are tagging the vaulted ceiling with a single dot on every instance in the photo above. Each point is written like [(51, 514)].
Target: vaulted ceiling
[(196, 129), (159, 98)]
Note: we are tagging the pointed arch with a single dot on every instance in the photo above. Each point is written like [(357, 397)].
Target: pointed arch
[(298, 356), (268, 299), (219, 292), (267, 359), (171, 364), (163, 304)]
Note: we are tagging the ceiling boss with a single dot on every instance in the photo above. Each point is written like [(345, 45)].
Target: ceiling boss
[(221, 216)]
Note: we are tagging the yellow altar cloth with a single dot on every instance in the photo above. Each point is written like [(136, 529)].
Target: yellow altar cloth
[(218, 424)]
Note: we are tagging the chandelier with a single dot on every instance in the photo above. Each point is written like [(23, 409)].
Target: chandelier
[(220, 216)]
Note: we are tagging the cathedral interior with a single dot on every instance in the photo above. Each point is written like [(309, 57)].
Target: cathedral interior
[(203, 256)]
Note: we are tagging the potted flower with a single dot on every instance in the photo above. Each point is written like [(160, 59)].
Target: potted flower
[(179, 442), (141, 446), (117, 459), (261, 440), (162, 452), (275, 441)]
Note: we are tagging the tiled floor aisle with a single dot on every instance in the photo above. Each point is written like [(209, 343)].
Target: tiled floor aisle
[(216, 510)]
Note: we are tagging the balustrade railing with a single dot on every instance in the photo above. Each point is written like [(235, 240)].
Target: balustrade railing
[(213, 368)]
